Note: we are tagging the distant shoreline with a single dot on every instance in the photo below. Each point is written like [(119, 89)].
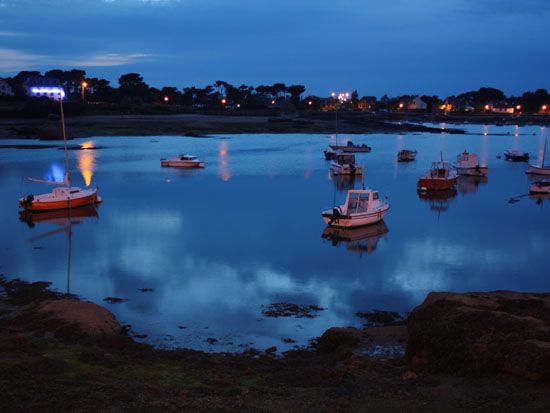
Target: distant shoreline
[(197, 125)]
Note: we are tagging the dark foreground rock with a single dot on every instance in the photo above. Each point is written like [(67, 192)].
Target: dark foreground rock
[(43, 370), (486, 333)]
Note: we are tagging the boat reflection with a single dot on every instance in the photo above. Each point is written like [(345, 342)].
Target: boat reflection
[(61, 217), (439, 200), (65, 219), (469, 184), (343, 182), (362, 240)]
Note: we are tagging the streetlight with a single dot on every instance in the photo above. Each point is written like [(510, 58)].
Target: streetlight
[(544, 107), (224, 101), (486, 107), (166, 99), (518, 107), (84, 85), (310, 103), (401, 105)]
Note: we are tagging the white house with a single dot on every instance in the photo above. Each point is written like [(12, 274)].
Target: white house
[(5, 88), (43, 86), (417, 104)]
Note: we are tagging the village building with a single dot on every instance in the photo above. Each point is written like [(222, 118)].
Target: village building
[(39, 86), (5, 88), (417, 104)]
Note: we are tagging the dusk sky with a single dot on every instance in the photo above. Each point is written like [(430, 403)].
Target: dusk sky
[(396, 47)]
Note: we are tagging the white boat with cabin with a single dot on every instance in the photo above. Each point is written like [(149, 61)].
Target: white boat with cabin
[(406, 155), (183, 161), (344, 164), (362, 207), (468, 164)]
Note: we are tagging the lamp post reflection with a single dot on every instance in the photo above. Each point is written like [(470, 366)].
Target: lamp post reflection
[(86, 161), (223, 163)]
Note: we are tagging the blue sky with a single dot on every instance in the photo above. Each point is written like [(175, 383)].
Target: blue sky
[(375, 46)]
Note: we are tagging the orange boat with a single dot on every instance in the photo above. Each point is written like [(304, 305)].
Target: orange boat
[(439, 178), (66, 196)]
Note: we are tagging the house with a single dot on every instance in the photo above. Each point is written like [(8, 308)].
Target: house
[(5, 88), (39, 86), (502, 108), (366, 103), (417, 104)]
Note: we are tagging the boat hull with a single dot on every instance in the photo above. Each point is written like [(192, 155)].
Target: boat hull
[(351, 149), (354, 220), (538, 170), (48, 203), (433, 184), (181, 164), (540, 188)]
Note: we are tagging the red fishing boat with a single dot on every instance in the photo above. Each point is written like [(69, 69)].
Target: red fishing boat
[(440, 177)]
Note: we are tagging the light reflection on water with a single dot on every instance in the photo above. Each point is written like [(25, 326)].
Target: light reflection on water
[(217, 244)]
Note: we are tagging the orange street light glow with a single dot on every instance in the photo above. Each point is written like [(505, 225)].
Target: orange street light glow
[(272, 102), (486, 107), (401, 106), (224, 101), (544, 107), (310, 103), (518, 107), (166, 98), (84, 84)]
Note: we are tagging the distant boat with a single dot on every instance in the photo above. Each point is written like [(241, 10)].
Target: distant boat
[(183, 161), (406, 155), (539, 170), (344, 164), (64, 197), (362, 207), (440, 177), (516, 155), (540, 187), (350, 147), (468, 164)]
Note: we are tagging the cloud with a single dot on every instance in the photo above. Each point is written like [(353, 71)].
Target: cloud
[(10, 34), (14, 60)]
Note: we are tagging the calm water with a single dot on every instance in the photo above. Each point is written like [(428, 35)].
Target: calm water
[(217, 244)]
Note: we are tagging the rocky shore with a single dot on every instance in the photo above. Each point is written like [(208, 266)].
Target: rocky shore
[(475, 351), (196, 125)]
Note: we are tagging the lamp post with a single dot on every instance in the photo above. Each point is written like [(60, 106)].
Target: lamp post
[(84, 85)]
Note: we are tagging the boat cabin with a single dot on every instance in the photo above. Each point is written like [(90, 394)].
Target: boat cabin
[(344, 158), (358, 200), (440, 170), (467, 160), (187, 158)]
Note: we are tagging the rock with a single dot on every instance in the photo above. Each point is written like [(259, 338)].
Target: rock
[(337, 337), (89, 318), (114, 300), (409, 375), (211, 340), (493, 332), (270, 350)]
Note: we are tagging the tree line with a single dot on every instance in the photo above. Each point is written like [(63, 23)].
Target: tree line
[(133, 91)]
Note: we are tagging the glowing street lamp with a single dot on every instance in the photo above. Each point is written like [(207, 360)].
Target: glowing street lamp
[(238, 105), (544, 108), (84, 85), (166, 99), (224, 101), (518, 107), (272, 102), (401, 106), (486, 107), (310, 103)]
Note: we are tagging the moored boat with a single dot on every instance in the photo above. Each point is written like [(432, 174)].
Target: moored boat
[(344, 164), (515, 155), (406, 155), (351, 147), (183, 161), (542, 169), (362, 207), (439, 178), (540, 187), (61, 198), (468, 164), (65, 196), (329, 153)]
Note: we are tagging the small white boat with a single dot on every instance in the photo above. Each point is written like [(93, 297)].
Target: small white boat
[(183, 161), (362, 207), (344, 164), (406, 155), (468, 164), (540, 187), (539, 170), (515, 155)]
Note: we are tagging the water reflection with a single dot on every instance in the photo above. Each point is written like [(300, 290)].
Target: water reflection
[(223, 161), (343, 182), (469, 184), (86, 161), (438, 200), (362, 240), (64, 220)]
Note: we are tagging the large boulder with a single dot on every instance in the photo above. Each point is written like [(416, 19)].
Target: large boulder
[(499, 331), (89, 318)]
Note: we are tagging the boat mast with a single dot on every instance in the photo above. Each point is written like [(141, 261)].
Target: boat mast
[(67, 174), (544, 153)]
